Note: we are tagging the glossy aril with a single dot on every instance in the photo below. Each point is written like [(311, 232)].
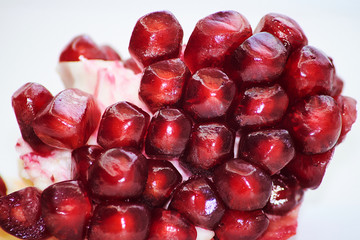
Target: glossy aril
[(66, 209), (110, 53), (259, 106), (284, 28), (347, 106), (168, 133), (269, 149), (315, 124), (338, 85), (210, 144), (162, 179), (240, 225), (242, 186), (68, 120), (27, 102), (215, 37), (259, 59), (162, 83), (81, 47), (125, 221), (123, 124), (197, 200), (3, 188), (209, 94), (119, 173), (156, 36), (132, 65), (170, 225), (20, 214), (308, 72)]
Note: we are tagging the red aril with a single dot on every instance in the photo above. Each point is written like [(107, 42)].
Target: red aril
[(3, 188), (110, 53), (132, 65), (347, 107), (338, 85)]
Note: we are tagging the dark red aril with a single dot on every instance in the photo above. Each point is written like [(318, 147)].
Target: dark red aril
[(68, 120), (110, 53), (123, 124), (28, 101), (197, 200), (170, 225), (241, 185), (209, 93), (125, 221), (338, 85), (215, 37), (20, 214), (156, 36), (168, 133), (3, 188), (119, 173), (315, 124), (284, 28), (347, 106), (239, 225), (162, 84), (81, 47), (132, 65)]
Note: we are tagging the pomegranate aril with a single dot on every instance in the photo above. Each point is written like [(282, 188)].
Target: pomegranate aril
[(240, 225), (285, 196), (20, 214), (215, 37), (28, 101), (81, 47), (125, 221), (209, 93), (110, 53), (241, 185), (66, 210), (162, 83), (308, 71), (210, 144), (170, 225), (347, 106), (156, 36), (132, 65), (338, 85), (68, 120), (259, 106), (259, 59), (315, 124), (197, 200), (122, 125), (162, 179), (270, 149), (3, 188), (119, 173), (168, 133), (284, 28)]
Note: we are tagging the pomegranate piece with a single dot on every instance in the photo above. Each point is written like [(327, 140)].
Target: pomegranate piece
[(170, 225), (215, 37), (81, 47), (308, 72), (315, 124), (162, 179), (20, 214), (110, 53), (3, 188), (285, 196), (132, 65), (259, 106), (119, 173), (239, 225), (270, 149), (81, 159), (68, 120), (156, 36), (309, 170), (125, 221), (122, 125), (209, 94), (162, 83), (348, 115), (284, 28), (168, 133), (259, 59), (242, 186), (66, 210), (210, 144), (28, 101), (197, 200)]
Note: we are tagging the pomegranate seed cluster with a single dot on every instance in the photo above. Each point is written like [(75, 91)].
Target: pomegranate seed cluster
[(238, 125)]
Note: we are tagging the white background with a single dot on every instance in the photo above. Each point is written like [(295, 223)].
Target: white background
[(33, 33)]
